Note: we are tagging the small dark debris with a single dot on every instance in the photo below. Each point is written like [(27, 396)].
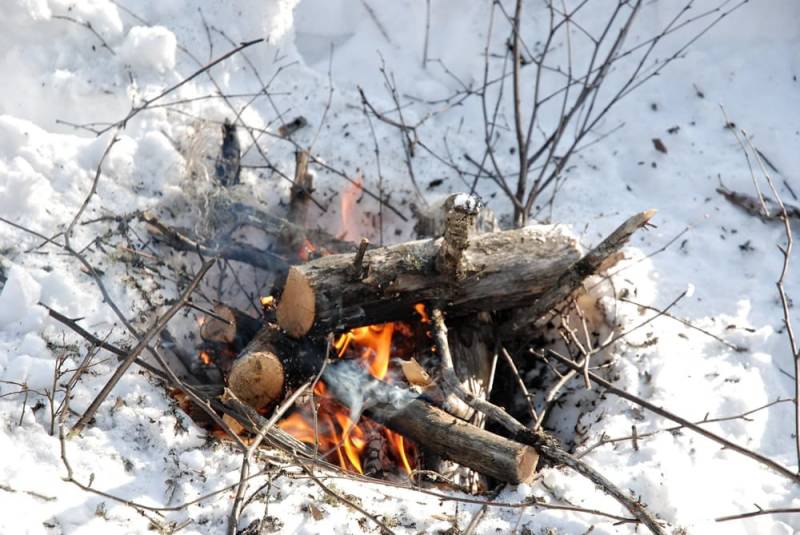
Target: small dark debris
[(127, 464), (699, 92), (292, 126), (674, 130), (659, 145), (228, 168), (654, 106), (746, 247), (269, 524), (435, 183), (730, 125)]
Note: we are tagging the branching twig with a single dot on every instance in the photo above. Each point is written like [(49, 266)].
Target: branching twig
[(136, 351), (233, 520), (759, 512), (88, 25), (546, 445), (761, 459), (743, 416), (205, 68)]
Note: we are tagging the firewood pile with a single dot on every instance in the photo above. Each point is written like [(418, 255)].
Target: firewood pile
[(468, 291), (399, 361), (382, 360)]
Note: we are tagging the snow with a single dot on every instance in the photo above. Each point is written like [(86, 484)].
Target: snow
[(149, 48), (143, 448)]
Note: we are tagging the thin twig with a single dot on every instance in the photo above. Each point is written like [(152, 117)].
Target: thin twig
[(327, 490), (738, 349), (205, 68), (88, 25), (759, 512), (743, 416), (761, 459), (136, 351), (528, 397), (233, 519), (546, 445)]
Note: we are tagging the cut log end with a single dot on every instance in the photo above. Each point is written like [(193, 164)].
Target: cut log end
[(527, 461), (297, 307), (257, 380)]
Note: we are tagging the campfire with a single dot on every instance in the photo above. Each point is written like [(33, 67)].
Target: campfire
[(396, 347), (381, 361)]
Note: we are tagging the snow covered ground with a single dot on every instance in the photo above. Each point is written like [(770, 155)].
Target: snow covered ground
[(59, 72)]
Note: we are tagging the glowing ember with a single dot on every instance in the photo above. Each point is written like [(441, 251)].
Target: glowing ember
[(205, 358), (306, 250)]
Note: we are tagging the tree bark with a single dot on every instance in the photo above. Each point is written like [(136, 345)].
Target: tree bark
[(496, 271), (524, 318)]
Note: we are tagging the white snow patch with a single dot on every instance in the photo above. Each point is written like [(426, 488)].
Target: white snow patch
[(149, 47)]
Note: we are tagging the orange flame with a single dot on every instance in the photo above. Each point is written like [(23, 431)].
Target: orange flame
[(337, 434), (205, 358), (423, 313), (349, 224)]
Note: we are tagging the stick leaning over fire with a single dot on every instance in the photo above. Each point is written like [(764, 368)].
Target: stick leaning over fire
[(274, 363)]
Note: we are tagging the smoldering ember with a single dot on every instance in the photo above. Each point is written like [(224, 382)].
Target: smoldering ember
[(349, 266)]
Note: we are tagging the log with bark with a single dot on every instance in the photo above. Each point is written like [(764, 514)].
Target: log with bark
[(274, 363), (271, 365), (470, 337), (410, 415), (493, 272)]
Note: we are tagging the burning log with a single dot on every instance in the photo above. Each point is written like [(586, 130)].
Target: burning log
[(229, 326), (274, 363), (488, 272), (376, 457), (443, 434), (462, 274)]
